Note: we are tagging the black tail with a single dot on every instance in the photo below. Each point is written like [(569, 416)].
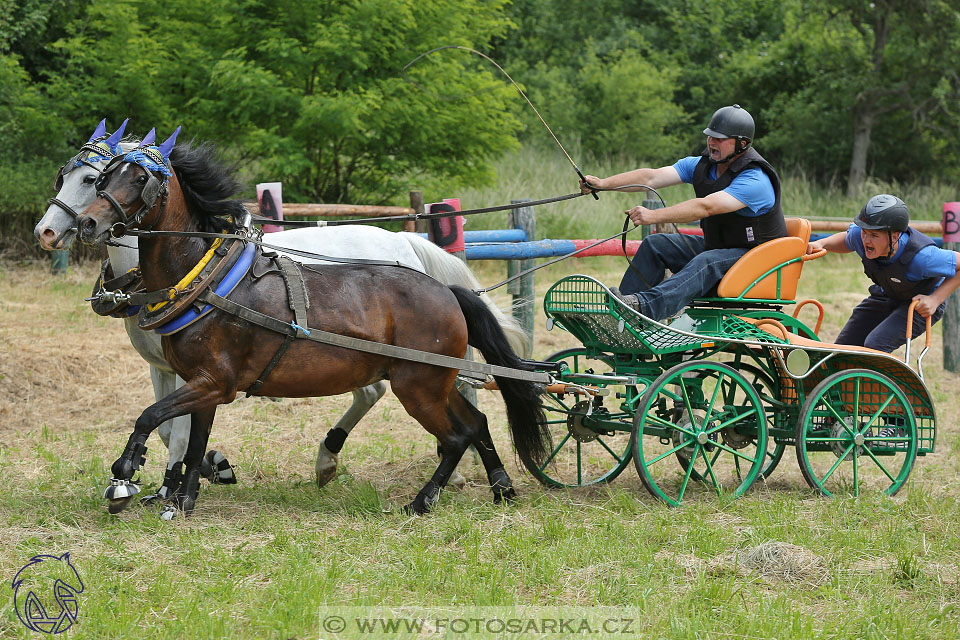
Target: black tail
[(528, 424)]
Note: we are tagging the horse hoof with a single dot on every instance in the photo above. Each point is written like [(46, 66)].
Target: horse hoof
[(168, 513), (326, 466), (116, 506), (501, 497), (119, 494), (456, 481), (413, 509)]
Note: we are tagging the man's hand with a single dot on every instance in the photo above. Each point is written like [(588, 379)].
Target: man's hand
[(641, 215), (926, 305), (815, 246), (591, 181)]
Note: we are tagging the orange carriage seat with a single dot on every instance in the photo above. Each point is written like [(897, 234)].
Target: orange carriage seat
[(771, 270)]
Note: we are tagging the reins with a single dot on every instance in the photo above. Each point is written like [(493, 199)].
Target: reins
[(412, 216), (120, 229)]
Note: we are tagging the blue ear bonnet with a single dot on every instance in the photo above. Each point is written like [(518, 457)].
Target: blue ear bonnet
[(101, 146), (154, 158), (150, 159)]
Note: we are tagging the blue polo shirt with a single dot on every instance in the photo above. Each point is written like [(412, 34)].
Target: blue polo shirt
[(930, 262), (752, 187)]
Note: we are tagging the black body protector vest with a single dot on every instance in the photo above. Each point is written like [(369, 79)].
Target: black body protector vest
[(892, 276), (729, 230)]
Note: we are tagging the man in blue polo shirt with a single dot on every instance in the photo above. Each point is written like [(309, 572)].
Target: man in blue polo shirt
[(904, 264), (737, 204)]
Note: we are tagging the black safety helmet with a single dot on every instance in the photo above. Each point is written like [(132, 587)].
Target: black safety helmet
[(732, 122), (884, 212)]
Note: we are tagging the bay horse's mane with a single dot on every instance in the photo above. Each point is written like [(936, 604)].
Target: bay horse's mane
[(208, 185)]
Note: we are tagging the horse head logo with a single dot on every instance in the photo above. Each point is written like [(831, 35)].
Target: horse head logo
[(45, 594)]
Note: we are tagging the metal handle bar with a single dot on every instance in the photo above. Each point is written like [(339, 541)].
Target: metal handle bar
[(775, 323), (816, 303), (814, 256), (906, 353)]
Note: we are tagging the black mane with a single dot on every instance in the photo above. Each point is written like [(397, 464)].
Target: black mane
[(208, 185)]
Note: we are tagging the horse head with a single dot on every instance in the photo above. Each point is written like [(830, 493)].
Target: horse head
[(131, 191), (74, 187)]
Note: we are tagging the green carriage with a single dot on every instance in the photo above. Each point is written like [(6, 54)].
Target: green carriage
[(715, 398)]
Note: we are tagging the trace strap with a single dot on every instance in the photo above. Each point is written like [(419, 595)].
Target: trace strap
[(369, 346)]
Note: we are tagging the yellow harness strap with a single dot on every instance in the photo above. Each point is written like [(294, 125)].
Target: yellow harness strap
[(189, 278)]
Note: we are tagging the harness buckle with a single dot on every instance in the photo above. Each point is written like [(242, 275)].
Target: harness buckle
[(109, 297)]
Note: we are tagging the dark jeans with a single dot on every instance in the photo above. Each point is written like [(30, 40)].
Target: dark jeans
[(695, 272), (880, 323)]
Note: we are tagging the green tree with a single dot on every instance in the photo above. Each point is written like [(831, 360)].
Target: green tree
[(312, 93), (864, 87)]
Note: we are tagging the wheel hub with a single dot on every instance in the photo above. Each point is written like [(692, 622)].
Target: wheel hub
[(838, 430), (576, 423)]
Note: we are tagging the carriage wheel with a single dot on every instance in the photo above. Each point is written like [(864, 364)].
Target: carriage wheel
[(767, 390), (585, 450), (708, 415), (856, 432)]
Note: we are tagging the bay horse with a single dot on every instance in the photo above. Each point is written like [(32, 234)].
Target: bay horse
[(57, 229), (224, 352)]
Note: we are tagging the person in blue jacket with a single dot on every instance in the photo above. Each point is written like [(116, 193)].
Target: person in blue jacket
[(903, 264), (737, 204)]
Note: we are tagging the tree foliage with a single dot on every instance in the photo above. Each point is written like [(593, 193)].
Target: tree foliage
[(315, 92)]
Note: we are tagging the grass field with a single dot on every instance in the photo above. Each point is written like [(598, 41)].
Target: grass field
[(273, 557)]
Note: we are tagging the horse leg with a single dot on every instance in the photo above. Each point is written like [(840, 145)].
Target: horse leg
[(195, 396), (438, 417), (327, 457), (500, 482), (451, 452), (201, 423), (175, 434)]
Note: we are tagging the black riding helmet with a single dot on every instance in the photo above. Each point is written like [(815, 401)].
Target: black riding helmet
[(732, 122), (884, 213)]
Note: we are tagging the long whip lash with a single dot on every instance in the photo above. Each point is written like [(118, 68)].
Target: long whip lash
[(517, 86)]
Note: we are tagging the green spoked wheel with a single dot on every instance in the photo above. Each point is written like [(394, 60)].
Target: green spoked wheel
[(707, 415), (769, 395), (856, 433), (591, 435)]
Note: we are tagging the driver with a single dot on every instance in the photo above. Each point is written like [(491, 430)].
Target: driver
[(737, 204), (904, 265)]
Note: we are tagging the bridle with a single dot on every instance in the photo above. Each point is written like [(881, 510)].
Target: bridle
[(89, 154), (153, 190)]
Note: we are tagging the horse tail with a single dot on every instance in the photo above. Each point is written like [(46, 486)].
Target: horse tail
[(528, 424), (451, 270)]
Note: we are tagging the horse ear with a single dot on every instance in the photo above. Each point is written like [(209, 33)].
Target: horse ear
[(149, 138), (99, 131), (117, 135), (167, 146)]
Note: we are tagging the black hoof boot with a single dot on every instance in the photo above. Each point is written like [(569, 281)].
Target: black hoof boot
[(502, 486), (425, 500), (216, 468)]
